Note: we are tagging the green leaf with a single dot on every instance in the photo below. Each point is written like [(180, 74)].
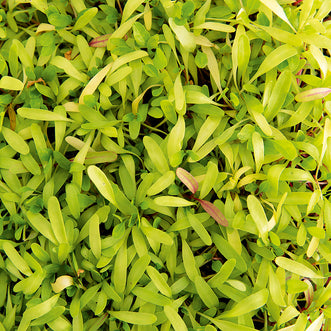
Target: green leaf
[(248, 304), (11, 83), (216, 27), (201, 59), (129, 9), (206, 294), (296, 267), (69, 68), (170, 201), (199, 229), (85, 18), (156, 154), (41, 114), (102, 183), (41, 308), (61, 283), (16, 258), (15, 141), (56, 218), (159, 282), (273, 59), (94, 236), (256, 210), (135, 318), (137, 271), (277, 9), (174, 318), (191, 269), (160, 61), (185, 37)]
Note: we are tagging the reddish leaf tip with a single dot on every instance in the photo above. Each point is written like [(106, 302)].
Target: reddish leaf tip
[(187, 179), (214, 212)]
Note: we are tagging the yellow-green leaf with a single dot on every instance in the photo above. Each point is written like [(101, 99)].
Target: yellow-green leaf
[(16, 258), (135, 318), (171, 201), (11, 83), (296, 267), (273, 59), (185, 37), (15, 141), (248, 304), (174, 318), (40, 114), (156, 154), (56, 218)]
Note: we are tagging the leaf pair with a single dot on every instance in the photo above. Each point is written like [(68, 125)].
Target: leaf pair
[(191, 183)]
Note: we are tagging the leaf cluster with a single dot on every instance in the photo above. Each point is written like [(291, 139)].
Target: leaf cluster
[(165, 165)]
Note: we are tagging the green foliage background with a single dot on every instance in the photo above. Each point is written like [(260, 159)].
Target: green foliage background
[(103, 102)]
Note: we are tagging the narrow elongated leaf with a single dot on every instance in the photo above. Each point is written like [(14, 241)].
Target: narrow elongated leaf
[(11, 83), (16, 258), (15, 141), (216, 27), (278, 94), (175, 140), (246, 305), (213, 66), (275, 288), (100, 180), (316, 325), (187, 179), (94, 236), (156, 154), (206, 294), (159, 281), (313, 94), (179, 95), (84, 50), (296, 267), (93, 84), (258, 215), (189, 262), (274, 6), (85, 18), (40, 114), (174, 318), (171, 201), (136, 272), (199, 229), (69, 68), (282, 35), (273, 59), (56, 218), (41, 308), (157, 235), (130, 7), (206, 130), (258, 146), (228, 326), (152, 297), (214, 212), (223, 274), (135, 318), (209, 180), (185, 37), (41, 224)]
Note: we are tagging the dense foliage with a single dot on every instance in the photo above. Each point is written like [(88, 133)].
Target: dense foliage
[(165, 165)]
